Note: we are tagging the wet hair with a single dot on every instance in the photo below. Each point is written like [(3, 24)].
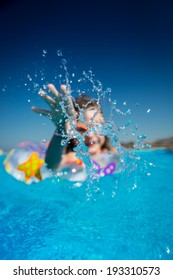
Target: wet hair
[(84, 102)]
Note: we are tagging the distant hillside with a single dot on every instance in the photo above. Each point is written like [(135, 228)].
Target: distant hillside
[(161, 143)]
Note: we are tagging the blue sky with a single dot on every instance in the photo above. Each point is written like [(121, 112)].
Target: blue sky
[(128, 46)]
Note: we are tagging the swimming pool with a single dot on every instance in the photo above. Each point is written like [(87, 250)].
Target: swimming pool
[(106, 220)]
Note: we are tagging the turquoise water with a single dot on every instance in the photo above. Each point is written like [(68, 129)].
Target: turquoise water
[(105, 220)]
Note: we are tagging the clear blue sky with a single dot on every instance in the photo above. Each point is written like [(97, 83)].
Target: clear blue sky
[(128, 45)]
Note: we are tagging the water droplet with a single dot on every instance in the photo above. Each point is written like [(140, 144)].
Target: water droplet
[(29, 77), (148, 174), (148, 146), (114, 102), (118, 111), (124, 103), (168, 250), (64, 61), (128, 122), (122, 127), (148, 111), (113, 194), (44, 53), (136, 126), (141, 137), (29, 100), (63, 142), (138, 157), (44, 141), (3, 89), (59, 53), (36, 85), (128, 112)]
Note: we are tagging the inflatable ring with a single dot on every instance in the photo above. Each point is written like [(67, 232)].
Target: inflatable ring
[(26, 162)]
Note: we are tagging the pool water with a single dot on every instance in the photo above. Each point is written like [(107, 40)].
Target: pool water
[(105, 220)]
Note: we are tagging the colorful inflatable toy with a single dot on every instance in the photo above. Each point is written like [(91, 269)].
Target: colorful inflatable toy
[(26, 162)]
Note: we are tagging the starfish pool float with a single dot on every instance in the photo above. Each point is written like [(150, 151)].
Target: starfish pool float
[(31, 167)]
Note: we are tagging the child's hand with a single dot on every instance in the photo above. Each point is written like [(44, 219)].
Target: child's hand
[(61, 106)]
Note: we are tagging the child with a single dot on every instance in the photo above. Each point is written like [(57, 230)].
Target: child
[(102, 154), (80, 124)]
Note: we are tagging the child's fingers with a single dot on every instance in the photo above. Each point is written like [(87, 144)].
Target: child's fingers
[(54, 91), (49, 100), (41, 111), (68, 103)]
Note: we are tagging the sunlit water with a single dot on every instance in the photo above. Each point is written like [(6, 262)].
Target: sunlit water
[(105, 220)]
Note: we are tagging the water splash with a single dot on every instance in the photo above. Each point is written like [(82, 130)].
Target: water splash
[(87, 83)]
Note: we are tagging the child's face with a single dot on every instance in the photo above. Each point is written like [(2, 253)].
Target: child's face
[(94, 141)]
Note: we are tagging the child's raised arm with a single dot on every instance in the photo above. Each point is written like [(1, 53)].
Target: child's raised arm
[(61, 107)]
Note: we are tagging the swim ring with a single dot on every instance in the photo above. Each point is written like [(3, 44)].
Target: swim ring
[(26, 162)]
